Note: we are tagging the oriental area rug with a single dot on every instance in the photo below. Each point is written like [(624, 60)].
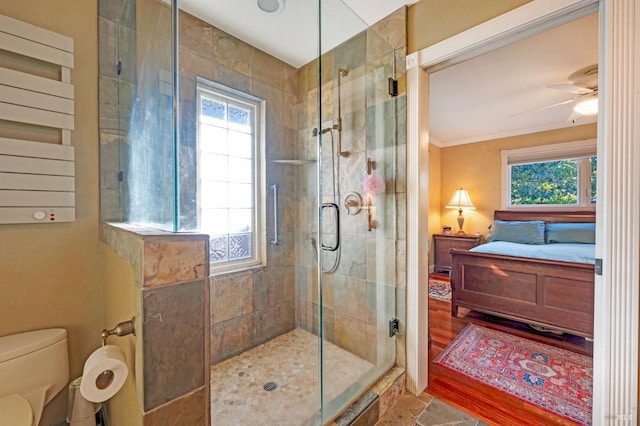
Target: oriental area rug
[(439, 288), (554, 379)]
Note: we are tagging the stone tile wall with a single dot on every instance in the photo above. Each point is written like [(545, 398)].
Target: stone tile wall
[(171, 275), (117, 33), (253, 306), (393, 29), (207, 52), (136, 154), (368, 286)]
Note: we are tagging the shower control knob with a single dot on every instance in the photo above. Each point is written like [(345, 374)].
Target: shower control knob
[(352, 203), (39, 215)]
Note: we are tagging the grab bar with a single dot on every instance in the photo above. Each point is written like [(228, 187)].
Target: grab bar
[(275, 240), (333, 206)]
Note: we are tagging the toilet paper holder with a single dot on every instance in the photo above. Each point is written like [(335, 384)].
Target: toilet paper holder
[(121, 329)]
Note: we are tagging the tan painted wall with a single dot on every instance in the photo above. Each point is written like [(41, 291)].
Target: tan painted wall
[(49, 274), (431, 21), (120, 294), (476, 167), (435, 186)]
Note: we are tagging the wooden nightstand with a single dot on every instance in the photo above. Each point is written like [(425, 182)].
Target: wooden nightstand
[(442, 244)]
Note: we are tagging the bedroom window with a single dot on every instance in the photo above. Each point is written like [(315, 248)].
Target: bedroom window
[(557, 176), (229, 147)]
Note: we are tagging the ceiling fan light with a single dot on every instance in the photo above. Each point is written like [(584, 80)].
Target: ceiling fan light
[(588, 106), (271, 6)]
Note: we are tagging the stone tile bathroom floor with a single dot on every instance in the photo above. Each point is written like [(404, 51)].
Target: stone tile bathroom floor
[(238, 396), (425, 410)]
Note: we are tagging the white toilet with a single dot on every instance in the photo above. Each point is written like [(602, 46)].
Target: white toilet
[(34, 368)]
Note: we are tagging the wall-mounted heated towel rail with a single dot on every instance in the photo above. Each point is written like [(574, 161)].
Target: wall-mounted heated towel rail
[(37, 178)]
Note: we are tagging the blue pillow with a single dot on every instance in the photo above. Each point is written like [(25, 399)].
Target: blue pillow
[(531, 232), (584, 233)]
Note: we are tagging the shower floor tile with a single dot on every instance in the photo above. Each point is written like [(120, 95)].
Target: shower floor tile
[(238, 396)]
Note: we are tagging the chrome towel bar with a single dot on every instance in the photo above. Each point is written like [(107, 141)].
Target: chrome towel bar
[(275, 241)]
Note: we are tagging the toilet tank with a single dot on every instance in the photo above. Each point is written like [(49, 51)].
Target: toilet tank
[(34, 364)]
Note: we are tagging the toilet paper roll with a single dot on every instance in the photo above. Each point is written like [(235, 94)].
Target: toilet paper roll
[(104, 373)]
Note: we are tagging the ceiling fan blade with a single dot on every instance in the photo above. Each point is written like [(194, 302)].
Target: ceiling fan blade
[(585, 77), (568, 101), (572, 117), (571, 88)]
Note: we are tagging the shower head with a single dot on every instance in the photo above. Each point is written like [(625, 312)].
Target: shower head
[(323, 131), (343, 72)]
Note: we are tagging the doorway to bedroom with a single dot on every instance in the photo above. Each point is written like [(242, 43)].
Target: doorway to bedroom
[(469, 157), (616, 284)]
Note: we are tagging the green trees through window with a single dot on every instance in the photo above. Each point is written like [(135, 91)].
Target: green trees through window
[(552, 182)]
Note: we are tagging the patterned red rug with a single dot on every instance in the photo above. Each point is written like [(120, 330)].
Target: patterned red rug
[(551, 378)]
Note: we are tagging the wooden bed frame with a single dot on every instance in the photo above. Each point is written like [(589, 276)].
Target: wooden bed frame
[(547, 293)]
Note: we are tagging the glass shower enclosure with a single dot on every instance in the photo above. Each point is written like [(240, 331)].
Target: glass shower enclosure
[(286, 154)]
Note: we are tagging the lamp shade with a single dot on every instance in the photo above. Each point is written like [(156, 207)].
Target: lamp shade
[(459, 200)]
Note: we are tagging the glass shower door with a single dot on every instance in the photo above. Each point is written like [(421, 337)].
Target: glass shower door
[(357, 281)]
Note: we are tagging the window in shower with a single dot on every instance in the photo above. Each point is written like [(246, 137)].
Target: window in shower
[(229, 146)]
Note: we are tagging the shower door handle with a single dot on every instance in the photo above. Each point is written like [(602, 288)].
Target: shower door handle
[(336, 210)]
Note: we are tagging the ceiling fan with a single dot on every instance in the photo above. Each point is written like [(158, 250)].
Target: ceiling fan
[(584, 87)]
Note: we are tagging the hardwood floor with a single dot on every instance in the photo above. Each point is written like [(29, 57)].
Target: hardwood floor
[(482, 401)]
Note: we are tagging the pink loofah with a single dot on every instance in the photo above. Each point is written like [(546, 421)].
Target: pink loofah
[(373, 184)]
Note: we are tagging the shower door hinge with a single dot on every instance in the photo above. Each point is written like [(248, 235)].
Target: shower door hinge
[(394, 327), (119, 67), (598, 267), (393, 87), (120, 176)]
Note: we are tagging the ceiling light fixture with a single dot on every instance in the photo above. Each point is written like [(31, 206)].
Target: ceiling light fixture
[(271, 6), (588, 106)]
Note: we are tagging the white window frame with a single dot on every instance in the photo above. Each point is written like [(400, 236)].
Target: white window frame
[(206, 87), (542, 153)]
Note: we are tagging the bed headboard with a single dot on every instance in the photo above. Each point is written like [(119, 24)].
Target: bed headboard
[(578, 216)]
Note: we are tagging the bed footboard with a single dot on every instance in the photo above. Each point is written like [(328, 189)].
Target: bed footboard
[(547, 293)]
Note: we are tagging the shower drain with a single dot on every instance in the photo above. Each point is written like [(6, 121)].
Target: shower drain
[(269, 386)]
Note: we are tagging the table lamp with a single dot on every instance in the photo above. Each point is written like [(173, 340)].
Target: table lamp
[(459, 200)]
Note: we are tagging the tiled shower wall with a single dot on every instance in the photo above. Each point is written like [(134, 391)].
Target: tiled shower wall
[(171, 279), (368, 286), (253, 306), (117, 40), (247, 308), (135, 84)]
